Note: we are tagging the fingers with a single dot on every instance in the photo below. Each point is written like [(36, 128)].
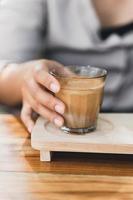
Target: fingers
[(43, 77), (51, 116), (37, 96), (45, 98), (26, 114), (44, 111)]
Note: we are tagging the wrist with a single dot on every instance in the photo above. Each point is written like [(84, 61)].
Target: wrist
[(11, 79)]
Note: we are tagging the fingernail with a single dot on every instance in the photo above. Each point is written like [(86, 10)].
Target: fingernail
[(54, 88), (59, 109), (38, 67), (58, 122)]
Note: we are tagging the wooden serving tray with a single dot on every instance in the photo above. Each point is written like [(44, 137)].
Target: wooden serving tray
[(114, 134)]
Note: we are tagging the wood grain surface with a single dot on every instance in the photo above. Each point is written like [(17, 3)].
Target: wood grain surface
[(70, 176)]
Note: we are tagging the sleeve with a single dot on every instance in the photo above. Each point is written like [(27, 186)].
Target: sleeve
[(22, 30)]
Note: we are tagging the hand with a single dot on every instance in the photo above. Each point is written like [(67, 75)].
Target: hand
[(38, 90)]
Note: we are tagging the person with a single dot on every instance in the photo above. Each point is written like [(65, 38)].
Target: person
[(36, 35)]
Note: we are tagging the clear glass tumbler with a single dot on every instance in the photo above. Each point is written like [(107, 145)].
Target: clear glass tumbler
[(82, 92)]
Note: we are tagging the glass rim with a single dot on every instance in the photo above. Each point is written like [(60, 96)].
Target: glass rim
[(103, 73)]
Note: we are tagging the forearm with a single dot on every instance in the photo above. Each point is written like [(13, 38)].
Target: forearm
[(11, 78)]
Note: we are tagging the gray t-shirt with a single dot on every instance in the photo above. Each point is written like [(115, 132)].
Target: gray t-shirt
[(68, 31)]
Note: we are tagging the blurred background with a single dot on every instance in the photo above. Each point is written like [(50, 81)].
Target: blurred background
[(73, 32)]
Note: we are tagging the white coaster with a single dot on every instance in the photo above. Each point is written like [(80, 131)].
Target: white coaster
[(114, 134)]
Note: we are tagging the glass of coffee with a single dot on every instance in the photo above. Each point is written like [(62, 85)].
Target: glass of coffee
[(82, 92)]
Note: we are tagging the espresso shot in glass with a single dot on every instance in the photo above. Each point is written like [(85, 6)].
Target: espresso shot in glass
[(81, 91)]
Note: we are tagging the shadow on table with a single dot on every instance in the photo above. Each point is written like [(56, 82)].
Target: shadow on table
[(82, 163)]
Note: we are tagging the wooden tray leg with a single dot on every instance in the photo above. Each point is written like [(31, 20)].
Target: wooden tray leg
[(45, 156)]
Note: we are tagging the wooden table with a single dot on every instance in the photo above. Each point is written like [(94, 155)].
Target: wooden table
[(69, 176)]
